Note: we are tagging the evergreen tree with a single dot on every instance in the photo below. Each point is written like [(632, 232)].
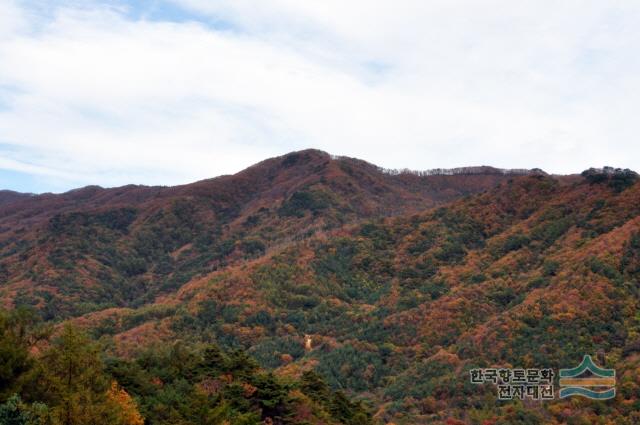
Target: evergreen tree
[(315, 387), (12, 412), (20, 329), (214, 360), (71, 380), (15, 412)]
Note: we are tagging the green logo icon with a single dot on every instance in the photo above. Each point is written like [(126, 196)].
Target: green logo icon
[(588, 380)]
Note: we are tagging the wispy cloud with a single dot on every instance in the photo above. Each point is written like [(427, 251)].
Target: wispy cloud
[(163, 93)]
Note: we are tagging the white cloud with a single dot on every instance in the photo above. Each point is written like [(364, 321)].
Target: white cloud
[(11, 19), (101, 98)]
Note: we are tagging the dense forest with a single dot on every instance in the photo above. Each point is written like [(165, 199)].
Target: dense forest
[(70, 381), (312, 289)]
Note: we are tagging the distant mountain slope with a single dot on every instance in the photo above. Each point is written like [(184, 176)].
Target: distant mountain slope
[(391, 285), (532, 273), (9, 196), (93, 248)]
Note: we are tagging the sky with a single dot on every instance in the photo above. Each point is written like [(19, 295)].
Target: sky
[(165, 92)]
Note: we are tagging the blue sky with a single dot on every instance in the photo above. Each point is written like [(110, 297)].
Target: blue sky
[(169, 92)]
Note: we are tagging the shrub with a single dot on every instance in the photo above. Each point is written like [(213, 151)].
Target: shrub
[(380, 235), (604, 269), (616, 178), (477, 278), (550, 268), (595, 176), (302, 201), (539, 282), (504, 296), (514, 243), (451, 252), (630, 262), (252, 247), (549, 232), (269, 352), (133, 266), (622, 179)]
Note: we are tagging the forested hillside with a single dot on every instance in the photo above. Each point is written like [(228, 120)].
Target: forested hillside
[(326, 290), (71, 382), (93, 248)]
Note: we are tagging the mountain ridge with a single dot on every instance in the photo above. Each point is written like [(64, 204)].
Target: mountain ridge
[(279, 199), (478, 170), (402, 282), (400, 308)]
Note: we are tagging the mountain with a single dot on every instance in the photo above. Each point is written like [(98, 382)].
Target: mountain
[(391, 286), (9, 196), (93, 248)]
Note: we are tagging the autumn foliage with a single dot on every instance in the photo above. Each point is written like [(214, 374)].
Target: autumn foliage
[(203, 297)]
